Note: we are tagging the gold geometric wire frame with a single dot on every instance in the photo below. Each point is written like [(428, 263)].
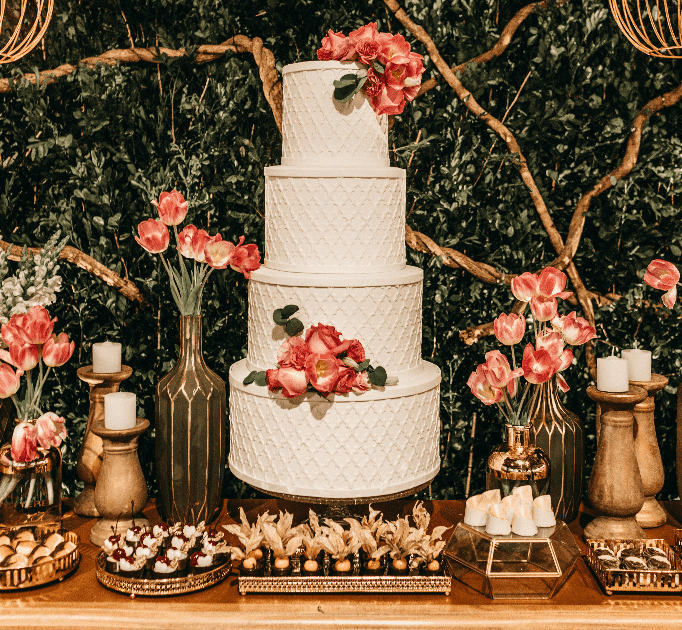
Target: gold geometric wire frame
[(645, 27), (20, 44)]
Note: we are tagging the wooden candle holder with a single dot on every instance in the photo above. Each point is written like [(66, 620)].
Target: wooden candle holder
[(615, 488), (90, 454), (121, 491)]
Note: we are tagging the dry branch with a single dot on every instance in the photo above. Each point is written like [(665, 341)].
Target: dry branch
[(71, 254), (265, 60)]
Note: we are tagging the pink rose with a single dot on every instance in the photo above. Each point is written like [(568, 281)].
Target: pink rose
[(172, 207), (356, 351), (538, 365), (9, 380), (509, 329), (367, 51), (482, 389), (246, 258), (58, 350), (374, 83), (365, 34), (395, 50), (292, 381), (185, 240), (24, 356), (543, 308), (497, 369), (322, 338), (413, 76), (345, 381), (154, 236), (525, 287), (334, 46), (293, 353), (551, 283), (361, 382), (390, 100), (322, 371), (24, 443), (665, 276), (50, 430)]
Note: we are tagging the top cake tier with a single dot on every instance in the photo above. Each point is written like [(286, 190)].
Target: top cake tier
[(319, 131)]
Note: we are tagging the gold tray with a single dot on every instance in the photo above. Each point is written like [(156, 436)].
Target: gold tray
[(351, 584), (55, 571), (154, 587), (635, 581)]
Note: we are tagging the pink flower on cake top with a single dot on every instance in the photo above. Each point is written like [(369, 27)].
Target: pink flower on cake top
[(320, 361), (393, 74)]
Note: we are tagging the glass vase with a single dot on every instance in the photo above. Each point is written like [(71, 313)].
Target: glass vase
[(191, 433), (31, 492), (518, 462), (559, 432)]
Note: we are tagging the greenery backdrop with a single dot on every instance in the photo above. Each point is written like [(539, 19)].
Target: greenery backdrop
[(87, 154)]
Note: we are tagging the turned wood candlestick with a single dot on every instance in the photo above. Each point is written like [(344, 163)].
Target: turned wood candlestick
[(615, 488), (90, 454), (121, 491), (648, 453)]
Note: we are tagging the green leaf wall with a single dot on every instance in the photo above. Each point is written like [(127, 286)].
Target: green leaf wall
[(87, 153)]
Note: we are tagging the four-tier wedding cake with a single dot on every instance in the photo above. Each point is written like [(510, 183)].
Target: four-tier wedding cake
[(335, 247)]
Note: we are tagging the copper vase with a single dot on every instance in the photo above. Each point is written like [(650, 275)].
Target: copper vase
[(191, 440), (559, 432)]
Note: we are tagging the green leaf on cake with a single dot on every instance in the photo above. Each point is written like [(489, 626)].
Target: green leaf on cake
[(345, 81), (345, 88), (250, 378), (378, 68), (294, 326), (362, 366), (377, 376), (289, 310), (261, 379), (279, 318)]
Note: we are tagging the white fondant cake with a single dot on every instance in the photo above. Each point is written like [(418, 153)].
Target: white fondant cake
[(335, 247)]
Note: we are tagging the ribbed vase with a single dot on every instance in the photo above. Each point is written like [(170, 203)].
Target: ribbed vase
[(559, 433), (191, 435)]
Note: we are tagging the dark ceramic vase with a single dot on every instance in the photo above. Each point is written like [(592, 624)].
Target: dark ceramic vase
[(191, 437)]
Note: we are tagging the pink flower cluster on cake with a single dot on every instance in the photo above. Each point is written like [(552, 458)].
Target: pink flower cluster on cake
[(394, 72)]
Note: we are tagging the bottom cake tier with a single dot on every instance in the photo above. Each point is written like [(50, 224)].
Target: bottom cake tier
[(374, 444)]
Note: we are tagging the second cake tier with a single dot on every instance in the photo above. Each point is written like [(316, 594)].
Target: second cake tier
[(382, 310)]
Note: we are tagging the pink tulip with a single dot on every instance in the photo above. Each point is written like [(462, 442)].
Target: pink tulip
[(9, 380), (551, 283), (185, 240), (565, 359), (543, 308), (34, 327), (172, 207), (50, 430), (292, 381), (512, 386), (10, 333), (561, 382), (538, 365), (497, 369), (58, 350), (219, 254), (551, 341), (200, 240), (665, 276), (246, 258), (525, 286), (322, 371), (509, 329), (575, 330), (482, 389), (24, 356), (293, 353), (154, 236), (24, 443)]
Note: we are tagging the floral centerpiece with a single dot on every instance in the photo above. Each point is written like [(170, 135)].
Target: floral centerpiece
[(393, 72), (196, 410)]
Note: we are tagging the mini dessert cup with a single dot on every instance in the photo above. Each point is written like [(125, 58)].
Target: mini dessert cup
[(399, 566), (201, 562), (181, 557), (374, 566), (342, 567), (112, 563), (250, 567), (130, 567), (311, 568), (281, 567), (164, 568), (431, 568)]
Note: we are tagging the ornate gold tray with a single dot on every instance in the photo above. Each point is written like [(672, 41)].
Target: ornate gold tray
[(635, 581), (54, 571), (154, 587)]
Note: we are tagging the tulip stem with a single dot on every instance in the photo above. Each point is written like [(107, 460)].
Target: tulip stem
[(14, 480), (31, 488)]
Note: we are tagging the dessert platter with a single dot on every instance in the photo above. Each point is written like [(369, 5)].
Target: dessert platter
[(163, 560), (32, 556), (335, 248)]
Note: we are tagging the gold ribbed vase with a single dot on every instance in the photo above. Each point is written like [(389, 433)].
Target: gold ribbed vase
[(191, 433), (559, 433)]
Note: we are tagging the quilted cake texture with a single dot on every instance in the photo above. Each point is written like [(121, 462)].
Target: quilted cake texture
[(334, 220), (335, 247), (317, 130)]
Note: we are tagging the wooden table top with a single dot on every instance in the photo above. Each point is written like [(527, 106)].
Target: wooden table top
[(82, 602)]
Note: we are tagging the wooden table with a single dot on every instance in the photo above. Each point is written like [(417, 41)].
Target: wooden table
[(81, 602)]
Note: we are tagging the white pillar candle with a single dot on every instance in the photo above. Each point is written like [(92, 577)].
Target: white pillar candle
[(612, 374), (106, 357), (639, 364), (120, 410)]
